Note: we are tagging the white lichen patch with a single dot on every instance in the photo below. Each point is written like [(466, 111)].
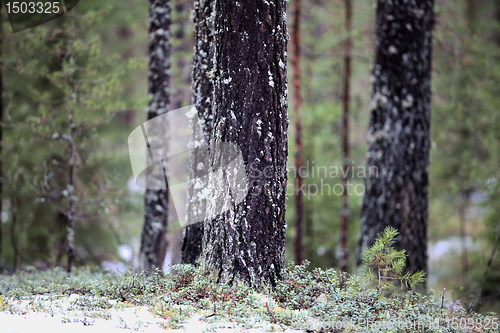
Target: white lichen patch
[(271, 80), (407, 102), (259, 126)]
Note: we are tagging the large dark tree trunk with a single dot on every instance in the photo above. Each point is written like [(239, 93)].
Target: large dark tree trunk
[(346, 103), (202, 94), (398, 156), (249, 106), (299, 159), (153, 239)]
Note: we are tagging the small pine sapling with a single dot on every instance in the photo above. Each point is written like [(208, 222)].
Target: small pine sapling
[(384, 264)]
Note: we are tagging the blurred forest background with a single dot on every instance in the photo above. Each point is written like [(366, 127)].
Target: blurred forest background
[(107, 78)]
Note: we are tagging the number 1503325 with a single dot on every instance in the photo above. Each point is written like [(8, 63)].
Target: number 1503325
[(32, 7)]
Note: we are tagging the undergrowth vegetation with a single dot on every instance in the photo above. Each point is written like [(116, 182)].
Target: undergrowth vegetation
[(312, 300)]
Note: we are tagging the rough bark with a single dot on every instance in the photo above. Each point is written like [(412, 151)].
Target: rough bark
[(346, 99), (202, 82), (397, 193), (153, 239), (299, 160), (247, 242)]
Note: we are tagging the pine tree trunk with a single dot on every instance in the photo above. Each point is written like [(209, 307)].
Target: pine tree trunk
[(346, 99), (202, 95), (71, 205), (299, 160), (249, 106), (398, 156), (153, 239), (462, 217), (13, 232)]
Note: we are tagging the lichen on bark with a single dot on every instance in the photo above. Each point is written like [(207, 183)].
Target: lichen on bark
[(153, 238), (247, 242), (399, 137)]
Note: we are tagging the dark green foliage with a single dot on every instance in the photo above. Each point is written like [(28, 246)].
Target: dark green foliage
[(465, 158), (62, 91)]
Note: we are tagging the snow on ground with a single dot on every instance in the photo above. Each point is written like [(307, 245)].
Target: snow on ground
[(62, 315), (55, 319)]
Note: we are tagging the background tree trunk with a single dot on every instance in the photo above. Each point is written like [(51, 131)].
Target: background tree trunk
[(346, 100), (182, 52), (13, 232), (399, 128), (153, 239), (202, 95), (247, 242), (71, 209), (299, 160), (462, 217)]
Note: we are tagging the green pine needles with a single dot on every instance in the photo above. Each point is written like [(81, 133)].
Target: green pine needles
[(386, 265)]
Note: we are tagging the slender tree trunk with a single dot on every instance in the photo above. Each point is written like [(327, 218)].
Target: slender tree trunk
[(346, 99), (71, 209), (13, 232), (153, 239), (487, 271), (462, 216), (182, 51), (202, 82), (497, 19), (470, 14), (299, 160), (61, 244), (398, 156), (463, 195), (247, 242)]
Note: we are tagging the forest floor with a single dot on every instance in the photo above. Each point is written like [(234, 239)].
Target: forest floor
[(185, 301), (60, 316)]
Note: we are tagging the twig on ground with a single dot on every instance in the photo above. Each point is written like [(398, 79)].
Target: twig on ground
[(275, 321)]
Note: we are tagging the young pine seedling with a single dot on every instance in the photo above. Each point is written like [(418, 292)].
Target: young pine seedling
[(384, 264)]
